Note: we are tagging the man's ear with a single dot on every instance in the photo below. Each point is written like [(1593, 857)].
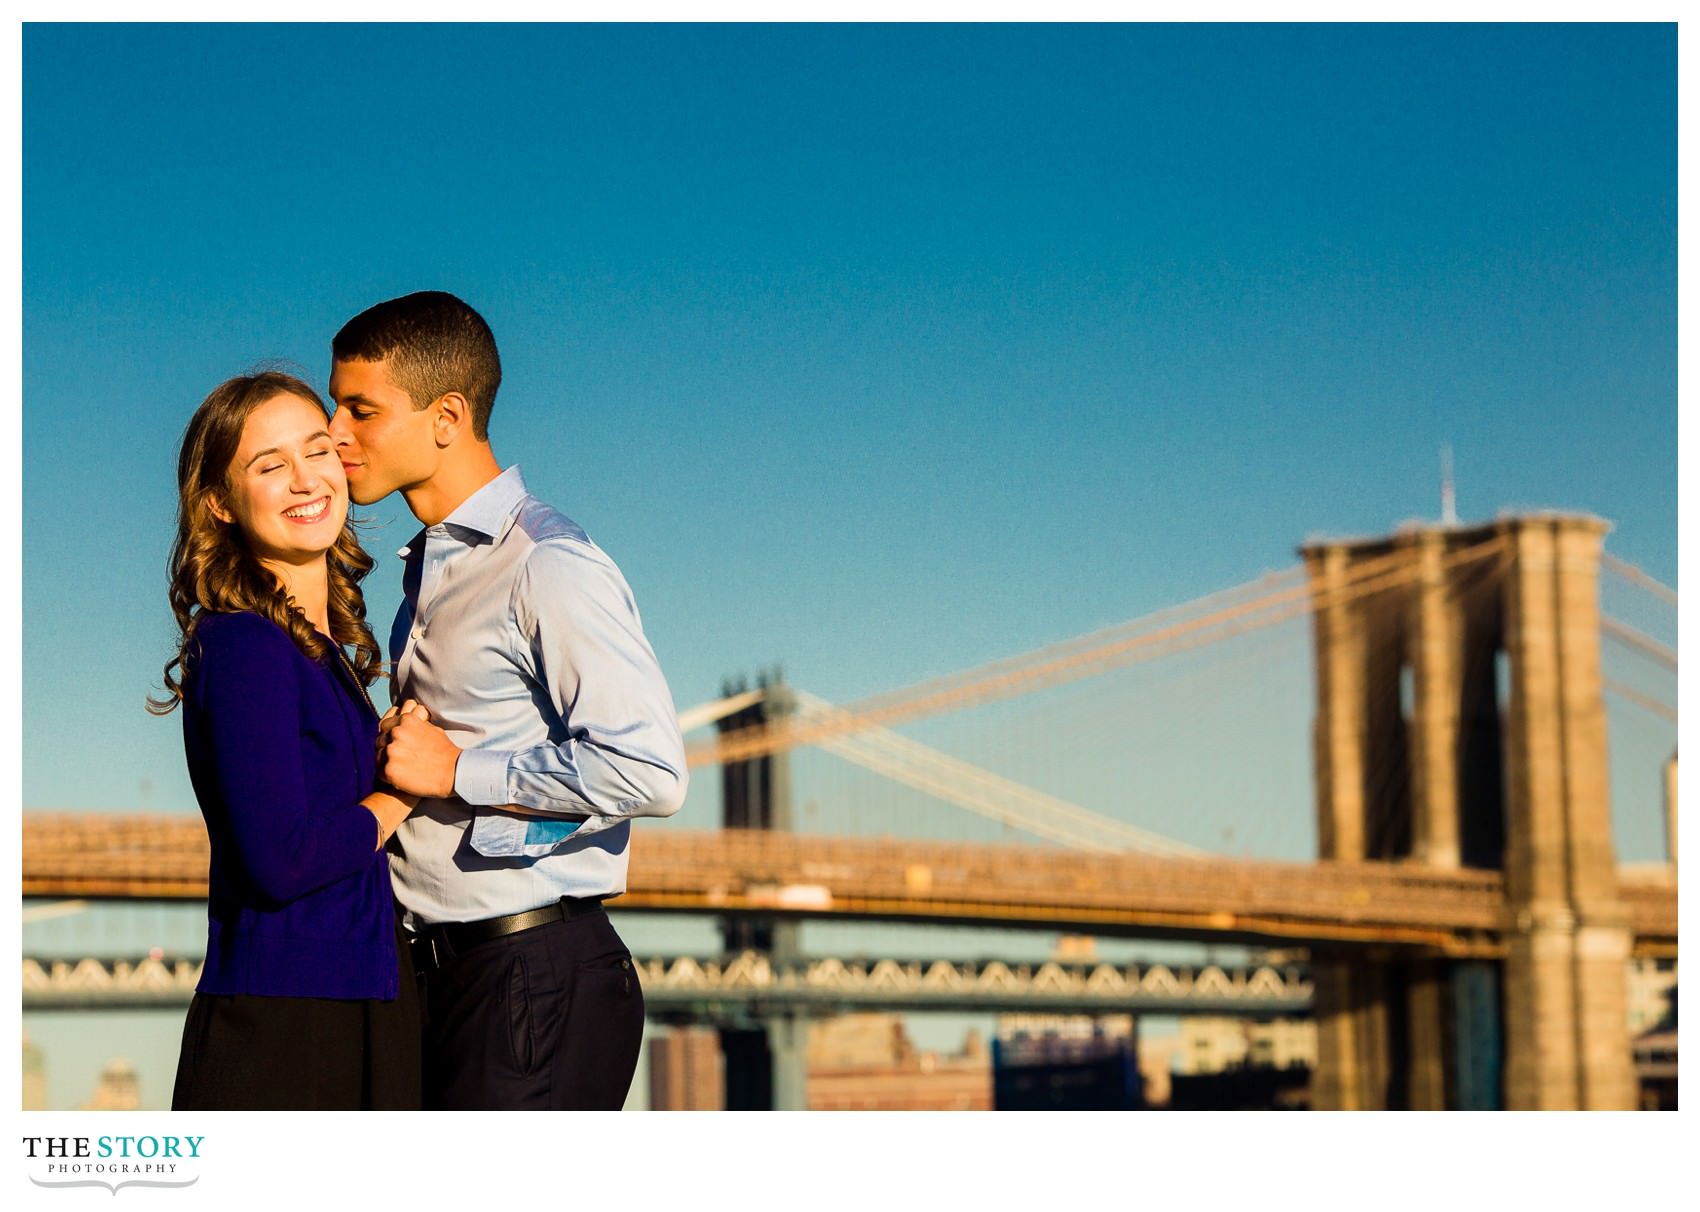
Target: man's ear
[(215, 506), (453, 416)]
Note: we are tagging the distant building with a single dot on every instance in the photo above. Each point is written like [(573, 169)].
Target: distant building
[(1655, 1069), (865, 1040), (118, 1089), (1652, 987), (1221, 1048), (1243, 1088), (687, 1071), (867, 1062), (1214, 1045), (1652, 1009), (35, 1076), (1204, 1046), (1158, 1059), (1057, 1062)]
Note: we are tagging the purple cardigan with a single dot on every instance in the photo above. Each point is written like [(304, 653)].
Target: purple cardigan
[(280, 750)]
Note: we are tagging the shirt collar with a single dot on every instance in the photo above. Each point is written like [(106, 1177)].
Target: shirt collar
[(485, 512)]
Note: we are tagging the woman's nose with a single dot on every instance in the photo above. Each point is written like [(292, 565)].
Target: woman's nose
[(302, 476)]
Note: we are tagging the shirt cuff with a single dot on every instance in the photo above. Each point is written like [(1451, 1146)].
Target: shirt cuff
[(481, 776)]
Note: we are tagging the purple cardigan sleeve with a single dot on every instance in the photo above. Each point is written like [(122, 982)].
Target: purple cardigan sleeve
[(249, 687)]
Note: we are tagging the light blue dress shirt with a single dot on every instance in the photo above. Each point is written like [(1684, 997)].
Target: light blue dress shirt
[(521, 638)]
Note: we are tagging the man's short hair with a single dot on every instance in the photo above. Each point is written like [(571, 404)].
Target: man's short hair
[(435, 344)]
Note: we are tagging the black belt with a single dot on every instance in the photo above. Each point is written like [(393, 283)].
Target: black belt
[(448, 939)]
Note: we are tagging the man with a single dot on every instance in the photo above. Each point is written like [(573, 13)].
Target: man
[(547, 728)]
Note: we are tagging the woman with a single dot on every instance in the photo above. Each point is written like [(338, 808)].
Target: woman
[(305, 1000)]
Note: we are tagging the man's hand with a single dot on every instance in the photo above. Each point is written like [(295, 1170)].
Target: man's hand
[(409, 707), (414, 755)]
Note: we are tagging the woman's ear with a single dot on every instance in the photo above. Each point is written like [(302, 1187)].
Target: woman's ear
[(215, 506)]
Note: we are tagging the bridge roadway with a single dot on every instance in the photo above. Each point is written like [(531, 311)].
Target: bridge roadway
[(733, 872), (704, 988)]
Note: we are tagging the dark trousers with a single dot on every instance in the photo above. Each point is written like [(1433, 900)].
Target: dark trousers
[(548, 1019)]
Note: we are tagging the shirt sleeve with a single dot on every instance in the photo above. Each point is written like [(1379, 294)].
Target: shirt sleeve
[(249, 691), (620, 754)]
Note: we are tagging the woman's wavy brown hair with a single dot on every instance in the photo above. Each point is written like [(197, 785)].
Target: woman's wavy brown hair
[(212, 568)]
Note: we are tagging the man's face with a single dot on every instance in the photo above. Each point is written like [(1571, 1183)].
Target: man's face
[(385, 443)]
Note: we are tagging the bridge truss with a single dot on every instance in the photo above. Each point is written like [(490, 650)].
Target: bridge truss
[(705, 987)]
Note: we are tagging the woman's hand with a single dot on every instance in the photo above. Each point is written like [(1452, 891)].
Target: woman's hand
[(414, 754), (391, 807)]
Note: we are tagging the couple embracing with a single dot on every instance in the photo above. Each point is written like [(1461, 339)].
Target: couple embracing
[(405, 911)]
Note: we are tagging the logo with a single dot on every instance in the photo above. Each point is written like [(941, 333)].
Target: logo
[(113, 1162)]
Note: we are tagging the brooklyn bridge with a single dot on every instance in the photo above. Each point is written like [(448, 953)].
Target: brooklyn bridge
[(1435, 839)]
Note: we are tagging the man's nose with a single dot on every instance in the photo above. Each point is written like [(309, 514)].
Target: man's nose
[(338, 428)]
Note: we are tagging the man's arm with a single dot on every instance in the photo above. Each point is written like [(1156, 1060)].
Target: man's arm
[(580, 640)]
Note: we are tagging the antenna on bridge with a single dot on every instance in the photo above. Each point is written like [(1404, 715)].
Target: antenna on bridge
[(1448, 500)]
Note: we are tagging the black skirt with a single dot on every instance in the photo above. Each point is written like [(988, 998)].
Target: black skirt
[(246, 1053)]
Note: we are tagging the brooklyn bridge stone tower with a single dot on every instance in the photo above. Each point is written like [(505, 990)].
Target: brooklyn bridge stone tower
[(1460, 723)]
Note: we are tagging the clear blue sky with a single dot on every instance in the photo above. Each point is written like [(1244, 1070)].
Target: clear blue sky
[(875, 351)]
